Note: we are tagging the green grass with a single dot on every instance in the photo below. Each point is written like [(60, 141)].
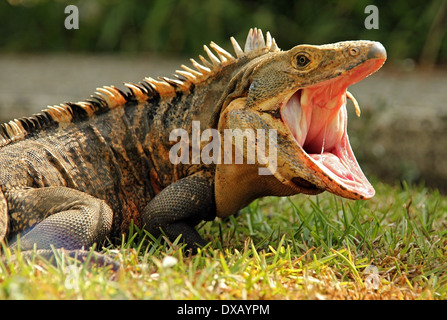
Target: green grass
[(300, 247)]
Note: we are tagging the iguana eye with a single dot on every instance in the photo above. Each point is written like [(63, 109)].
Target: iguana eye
[(302, 60)]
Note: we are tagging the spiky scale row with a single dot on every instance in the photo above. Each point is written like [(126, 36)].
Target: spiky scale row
[(11, 131), (140, 93), (162, 87), (112, 97), (224, 56), (255, 43), (60, 113), (237, 49), (215, 62)]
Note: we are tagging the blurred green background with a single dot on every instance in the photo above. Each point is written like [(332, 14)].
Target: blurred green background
[(409, 29)]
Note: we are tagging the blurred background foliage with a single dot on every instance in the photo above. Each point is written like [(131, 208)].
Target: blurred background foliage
[(409, 29)]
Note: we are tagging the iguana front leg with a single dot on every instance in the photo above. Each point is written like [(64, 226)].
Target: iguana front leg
[(60, 217), (181, 206)]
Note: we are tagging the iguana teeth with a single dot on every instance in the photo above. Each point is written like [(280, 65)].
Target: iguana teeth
[(354, 101), (237, 49), (215, 61)]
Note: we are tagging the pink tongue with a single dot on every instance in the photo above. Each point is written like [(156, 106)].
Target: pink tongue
[(333, 164)]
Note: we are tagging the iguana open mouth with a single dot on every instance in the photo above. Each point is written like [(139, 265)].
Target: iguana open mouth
[(317, 118)]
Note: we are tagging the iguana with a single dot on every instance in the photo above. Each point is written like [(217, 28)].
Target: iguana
[(78, 173)]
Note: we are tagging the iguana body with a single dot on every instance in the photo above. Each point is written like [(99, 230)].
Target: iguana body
[(80, 172)]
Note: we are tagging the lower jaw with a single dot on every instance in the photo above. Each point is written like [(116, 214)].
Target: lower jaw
[(347, 181)]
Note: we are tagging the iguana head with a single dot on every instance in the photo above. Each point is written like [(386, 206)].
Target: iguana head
[(302, 94)]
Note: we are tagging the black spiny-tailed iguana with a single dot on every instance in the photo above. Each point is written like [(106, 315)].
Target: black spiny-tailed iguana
[(78, 173)]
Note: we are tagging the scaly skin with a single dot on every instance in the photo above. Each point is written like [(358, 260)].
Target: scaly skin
[(80, 172)]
